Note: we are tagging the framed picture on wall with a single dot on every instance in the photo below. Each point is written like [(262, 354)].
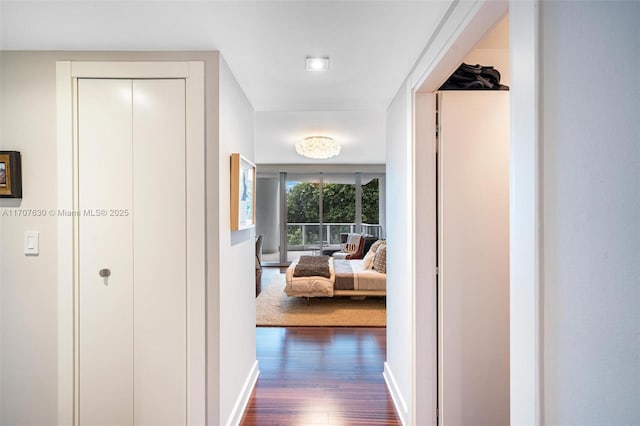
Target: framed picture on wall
[(243, 193), (10, 175)]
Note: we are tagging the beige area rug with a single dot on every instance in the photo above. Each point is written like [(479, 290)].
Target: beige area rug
[(275, 309)]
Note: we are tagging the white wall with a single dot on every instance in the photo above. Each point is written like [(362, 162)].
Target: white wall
[(237, 272), (28, 291), (493, 50), (424, 293), (1, 147), (590, 56), (524, 231), (399, 365)]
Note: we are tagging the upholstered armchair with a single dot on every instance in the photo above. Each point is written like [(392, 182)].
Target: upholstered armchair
[(352, 249)]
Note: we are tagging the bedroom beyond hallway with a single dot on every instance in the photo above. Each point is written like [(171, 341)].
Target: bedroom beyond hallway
[(320, 375)]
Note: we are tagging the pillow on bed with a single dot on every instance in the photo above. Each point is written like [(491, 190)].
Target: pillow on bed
[(374, 247), (368, 259), (380, 259)]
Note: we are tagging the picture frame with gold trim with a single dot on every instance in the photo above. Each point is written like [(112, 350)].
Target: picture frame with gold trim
[(10, 174), (243, 193)]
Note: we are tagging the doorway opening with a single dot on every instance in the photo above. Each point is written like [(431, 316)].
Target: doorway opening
[(469, 249)]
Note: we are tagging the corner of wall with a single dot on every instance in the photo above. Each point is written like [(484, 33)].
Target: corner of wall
[(396, 395), (1, 322), (236, 253), (1, 269), (525, 278), (243, 397), (212, 108)]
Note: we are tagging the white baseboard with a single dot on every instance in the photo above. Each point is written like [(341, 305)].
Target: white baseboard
[(243, 398), (396, 395)]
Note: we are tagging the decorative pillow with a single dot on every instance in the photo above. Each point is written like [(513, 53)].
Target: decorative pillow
[(374, 247), (380, 259), (368, 258)]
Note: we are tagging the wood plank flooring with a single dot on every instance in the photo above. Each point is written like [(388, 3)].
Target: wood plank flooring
[(320, 376)]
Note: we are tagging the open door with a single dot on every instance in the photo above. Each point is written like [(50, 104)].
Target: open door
[(473, 258)]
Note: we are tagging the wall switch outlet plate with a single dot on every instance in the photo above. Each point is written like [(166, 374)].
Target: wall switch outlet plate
[(31, 243)]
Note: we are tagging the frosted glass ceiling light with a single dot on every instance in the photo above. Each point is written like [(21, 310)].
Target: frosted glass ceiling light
[(318, 147), (318, 64)]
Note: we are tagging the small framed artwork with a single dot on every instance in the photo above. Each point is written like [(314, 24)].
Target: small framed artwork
[(243, 193), (10, 175)]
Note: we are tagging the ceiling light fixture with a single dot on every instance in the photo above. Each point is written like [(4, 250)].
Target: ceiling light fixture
[(317, 64), (318, 147)]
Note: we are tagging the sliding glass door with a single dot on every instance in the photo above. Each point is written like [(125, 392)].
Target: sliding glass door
[(338, 208), (372, 204), (306, 213), (303, 227)]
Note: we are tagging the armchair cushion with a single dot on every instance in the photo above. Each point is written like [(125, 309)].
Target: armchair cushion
[(353, 248)]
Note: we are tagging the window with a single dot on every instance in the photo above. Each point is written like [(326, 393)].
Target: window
[(305, 213)]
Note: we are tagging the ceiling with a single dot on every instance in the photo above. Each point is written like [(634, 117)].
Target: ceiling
[(372, 45)]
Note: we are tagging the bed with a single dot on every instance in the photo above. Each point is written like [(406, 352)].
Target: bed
[(336, 278)]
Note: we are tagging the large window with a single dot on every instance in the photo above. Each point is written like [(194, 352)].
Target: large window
[(303, 227), (372, 206), (338, 207), (315, 209)]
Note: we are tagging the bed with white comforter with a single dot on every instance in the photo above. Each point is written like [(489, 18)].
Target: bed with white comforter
[(344, 278)]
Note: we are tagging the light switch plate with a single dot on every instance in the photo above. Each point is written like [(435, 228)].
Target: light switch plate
[(32, 243)]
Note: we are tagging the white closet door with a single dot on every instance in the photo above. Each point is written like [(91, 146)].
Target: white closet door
[(474, 258), (132, 340), (159, 246), (105, 242)]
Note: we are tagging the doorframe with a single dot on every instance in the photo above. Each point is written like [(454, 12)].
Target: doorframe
[(463, 27), (67, 74)]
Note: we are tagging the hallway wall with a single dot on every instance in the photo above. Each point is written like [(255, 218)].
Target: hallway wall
[(399, 366), (591, 210), (29, 292), (237, 344)]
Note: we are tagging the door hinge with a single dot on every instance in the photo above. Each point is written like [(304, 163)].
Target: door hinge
[(437, 271)]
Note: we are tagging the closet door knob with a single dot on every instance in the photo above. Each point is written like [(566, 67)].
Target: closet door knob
[(104, 273)]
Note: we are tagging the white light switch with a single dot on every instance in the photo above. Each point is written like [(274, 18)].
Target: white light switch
[(32, 243)]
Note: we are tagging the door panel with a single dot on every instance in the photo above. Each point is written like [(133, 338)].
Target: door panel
[(105, 305), (159, 240), (474, 258), (132, 198)]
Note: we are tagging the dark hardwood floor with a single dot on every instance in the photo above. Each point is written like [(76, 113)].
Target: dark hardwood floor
[(319, 375)]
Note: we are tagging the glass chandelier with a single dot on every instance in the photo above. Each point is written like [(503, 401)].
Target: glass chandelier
[(318, 147)]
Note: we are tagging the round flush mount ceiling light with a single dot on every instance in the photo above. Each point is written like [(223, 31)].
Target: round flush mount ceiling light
[(317, 64), (318, 147)]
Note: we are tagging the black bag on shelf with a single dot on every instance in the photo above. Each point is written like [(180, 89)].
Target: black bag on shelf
[(474, 77)]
